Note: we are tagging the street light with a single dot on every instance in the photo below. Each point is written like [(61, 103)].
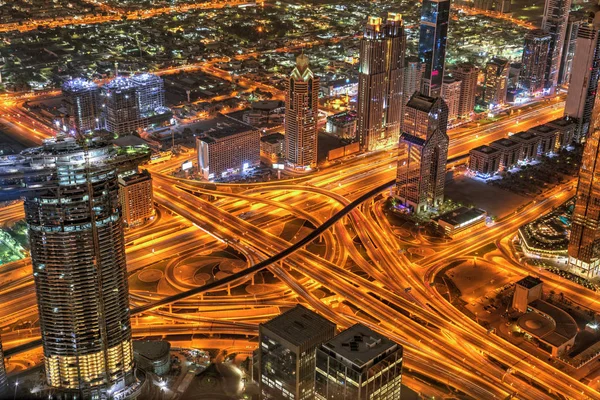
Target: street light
[(16, 386)]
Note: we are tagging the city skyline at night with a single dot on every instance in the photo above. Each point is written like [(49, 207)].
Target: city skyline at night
[(299, 200)]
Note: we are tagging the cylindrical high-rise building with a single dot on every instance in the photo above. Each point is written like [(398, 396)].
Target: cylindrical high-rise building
[(3, 377), (78, 255)]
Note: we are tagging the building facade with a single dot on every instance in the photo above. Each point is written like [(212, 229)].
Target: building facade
[(230, 148), (584, 77), (451, 90), (536, 53), (286, 354), (468, 74), (423, 154), (82, 100), (555, 21), (134, 103), (75, 229), (576, 18), (3, 376), (496, 82), (358, 364), (381, 78), (484, 161), (413, 73), (433, 34), (136, 196), (584, 257), (301, 114)]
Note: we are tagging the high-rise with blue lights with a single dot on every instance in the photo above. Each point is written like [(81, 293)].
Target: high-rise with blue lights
[(433, 34), (81, 97)]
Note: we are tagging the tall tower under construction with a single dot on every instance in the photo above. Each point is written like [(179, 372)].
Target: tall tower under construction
[(75, 226)]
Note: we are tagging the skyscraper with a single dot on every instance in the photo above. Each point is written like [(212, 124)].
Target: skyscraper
[(496, 82), (584, 254), (3, 377), (413, 73), (554, 22), (423, 153), (451, 88), (134, 103), (468, 74), (301, 113), (576, 18), (82, 100), (536, 54), (433, 33), (381, 77), (286, 354), (358, 364), (584, 76), (75, 230)]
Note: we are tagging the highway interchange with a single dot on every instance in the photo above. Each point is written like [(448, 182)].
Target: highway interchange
[(362, 262)]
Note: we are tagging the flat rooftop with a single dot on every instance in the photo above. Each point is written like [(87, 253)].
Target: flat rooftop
[(273, 138), (529, 282), (563, 329), (360, 345), (485, 149), (462, 216), (221, 127), (524, 135), (299, 325), (561, 122), (542, 129), (504, 142)]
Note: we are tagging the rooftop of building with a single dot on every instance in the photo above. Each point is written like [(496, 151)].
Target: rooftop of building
[(79, 85), (360, 345), (345, 116), (504, 142), (131, 179), (152, 349), (219, 381), (267, 105), (421, 102), (556, 330), (523, 135), (462, 216), (273, 138), (120, 83), (542, 129), (299, 325), (221, 127), (529, 282), (562, 122), (407, 137), (130, 141), (485, 149), (448, 80)]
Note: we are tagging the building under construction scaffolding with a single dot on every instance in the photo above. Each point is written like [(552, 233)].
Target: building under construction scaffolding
[(75, 225), (134, 103), (82, 101)]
